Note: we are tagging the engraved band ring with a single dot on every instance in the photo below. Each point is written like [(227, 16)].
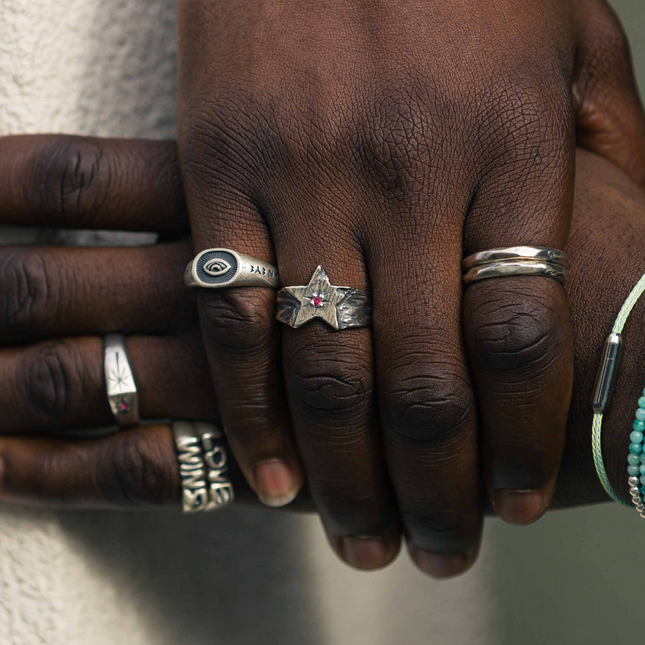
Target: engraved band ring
[(119, 382), (225, 269), (203, 466)]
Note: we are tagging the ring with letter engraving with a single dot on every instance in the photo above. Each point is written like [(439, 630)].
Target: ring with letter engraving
[(225, 269), (119, 382), (516, 261), (339, 307), (203, 466)]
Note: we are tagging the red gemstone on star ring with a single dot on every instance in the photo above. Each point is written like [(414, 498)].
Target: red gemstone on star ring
[(124, 407), (317, 301)]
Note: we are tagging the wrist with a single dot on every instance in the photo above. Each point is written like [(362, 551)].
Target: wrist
[(608, 259)]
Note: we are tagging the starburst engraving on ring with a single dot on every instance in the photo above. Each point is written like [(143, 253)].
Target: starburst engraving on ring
[(119, 377)]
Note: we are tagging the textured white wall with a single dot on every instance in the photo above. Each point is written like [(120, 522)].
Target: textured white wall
[(107, 67), (87, 66)]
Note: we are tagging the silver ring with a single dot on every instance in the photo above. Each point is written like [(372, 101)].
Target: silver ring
[(203, 466), (513, 269), (119, 382), (339, 307), (225, 269), (517, 254)]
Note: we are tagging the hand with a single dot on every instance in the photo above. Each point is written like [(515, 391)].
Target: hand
[(58, 302), (383, 140), (51, 381)]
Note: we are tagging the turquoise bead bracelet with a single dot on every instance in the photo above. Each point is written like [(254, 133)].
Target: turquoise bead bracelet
[(636, 459), (603, 390)]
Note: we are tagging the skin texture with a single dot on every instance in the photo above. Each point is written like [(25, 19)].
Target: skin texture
[(53, 313), (385, 141)]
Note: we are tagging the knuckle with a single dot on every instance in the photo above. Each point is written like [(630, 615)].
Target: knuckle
[(27, 299), (611, 43), (429, 402), (237, 320), (526, 125), (231, 133), (526, 155), (332, 385), (51, 381), (512, 329), (605, 65), (136, 472), (66, 173), (401, 133)]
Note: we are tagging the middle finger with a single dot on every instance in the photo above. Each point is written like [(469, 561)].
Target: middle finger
[(426, 400)]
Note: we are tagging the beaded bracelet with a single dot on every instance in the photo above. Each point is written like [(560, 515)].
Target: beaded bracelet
[(603, 391), (636, 459)]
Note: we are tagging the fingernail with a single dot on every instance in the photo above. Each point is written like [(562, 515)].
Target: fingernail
[(366, 553), (442, 566), (520, 507), (275, 484)]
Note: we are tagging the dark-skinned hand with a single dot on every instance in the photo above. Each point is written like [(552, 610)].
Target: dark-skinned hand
[(57, 302)]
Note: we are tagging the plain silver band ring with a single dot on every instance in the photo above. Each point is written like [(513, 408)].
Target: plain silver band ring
[(225, 269), (203, 466), (517, 254), (119, 382), (514, 269)]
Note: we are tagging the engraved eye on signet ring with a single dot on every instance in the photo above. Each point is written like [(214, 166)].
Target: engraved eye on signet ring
[(225, 268), (217, 267)]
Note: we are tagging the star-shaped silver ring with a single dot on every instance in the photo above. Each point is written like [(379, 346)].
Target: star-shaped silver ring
[(339, 307)]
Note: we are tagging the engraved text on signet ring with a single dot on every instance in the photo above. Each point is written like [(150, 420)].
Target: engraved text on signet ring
[(225, 269), (203, 466)]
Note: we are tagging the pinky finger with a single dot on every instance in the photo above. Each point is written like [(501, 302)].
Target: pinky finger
[(129, 469)]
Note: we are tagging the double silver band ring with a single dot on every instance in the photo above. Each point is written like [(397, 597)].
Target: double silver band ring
[(119, 382), (515, 254), (339, 307), (225, 269), (203, 466), (516, 261)]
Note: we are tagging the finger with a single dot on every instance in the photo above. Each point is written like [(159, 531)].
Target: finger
[(242, 345), (59, 385), (65, 291), (132, 469), (329, 377), (609, 114), (85, 182), (426, 401), (128, 469), (517, 330)]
